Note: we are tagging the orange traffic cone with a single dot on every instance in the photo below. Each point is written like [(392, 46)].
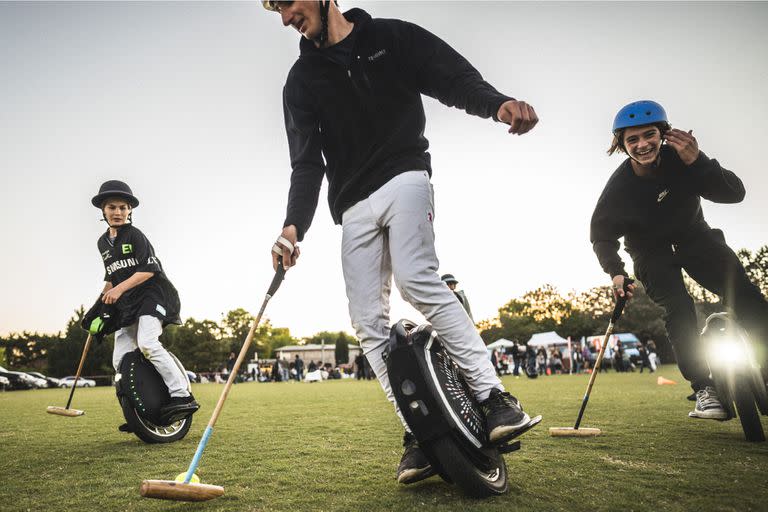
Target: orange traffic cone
[(661, 381)]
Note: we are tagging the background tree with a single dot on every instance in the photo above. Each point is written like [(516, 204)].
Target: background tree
[(199, 345)]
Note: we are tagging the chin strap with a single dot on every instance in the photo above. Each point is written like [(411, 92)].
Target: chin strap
[(324, 6)]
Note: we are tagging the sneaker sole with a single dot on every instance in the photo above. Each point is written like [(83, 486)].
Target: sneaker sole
[(718, 416), (411, 476), (501, 435)]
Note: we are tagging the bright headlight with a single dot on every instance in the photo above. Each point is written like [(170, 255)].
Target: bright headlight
[(728, 351)]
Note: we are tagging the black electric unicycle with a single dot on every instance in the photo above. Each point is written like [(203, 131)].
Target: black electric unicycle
[(736, 373), (442, 412), (142, 393)]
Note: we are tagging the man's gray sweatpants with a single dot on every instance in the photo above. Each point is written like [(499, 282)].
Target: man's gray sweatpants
[(391, 234)]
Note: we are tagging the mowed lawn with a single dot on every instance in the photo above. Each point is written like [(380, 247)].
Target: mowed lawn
[(335, 446)]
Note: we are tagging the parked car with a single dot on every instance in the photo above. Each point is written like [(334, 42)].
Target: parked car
[(628, 341), (21, 380), (67, 382), (39, 382), (52, 382)]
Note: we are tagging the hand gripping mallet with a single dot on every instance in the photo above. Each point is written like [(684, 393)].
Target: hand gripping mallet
[(589, 432), (66, 411), (186, 491)]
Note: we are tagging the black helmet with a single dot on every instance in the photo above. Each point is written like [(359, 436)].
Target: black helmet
[(448, 278), (114, 188)]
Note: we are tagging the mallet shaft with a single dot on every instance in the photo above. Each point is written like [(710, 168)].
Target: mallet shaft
[(79, 369)]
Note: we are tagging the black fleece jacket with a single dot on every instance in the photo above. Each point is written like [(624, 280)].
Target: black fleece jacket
[(367, 119), (649, 212)]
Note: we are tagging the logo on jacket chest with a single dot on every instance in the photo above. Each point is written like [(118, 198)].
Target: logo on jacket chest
[(662, 195), (377, 55), (106, 255)]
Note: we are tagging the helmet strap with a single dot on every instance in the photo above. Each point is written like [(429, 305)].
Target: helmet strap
[(324, 6)]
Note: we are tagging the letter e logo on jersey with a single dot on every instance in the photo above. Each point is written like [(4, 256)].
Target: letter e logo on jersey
[(127, 248)]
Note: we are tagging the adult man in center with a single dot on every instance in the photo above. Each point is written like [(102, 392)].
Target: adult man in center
[(354, 97)]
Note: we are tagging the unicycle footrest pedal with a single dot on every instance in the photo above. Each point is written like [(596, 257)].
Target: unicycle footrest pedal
[(509, 447)]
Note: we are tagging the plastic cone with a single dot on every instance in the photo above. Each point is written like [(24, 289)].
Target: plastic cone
[(661, 381)]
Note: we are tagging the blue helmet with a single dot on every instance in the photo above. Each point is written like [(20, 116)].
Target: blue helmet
[(639, 113)]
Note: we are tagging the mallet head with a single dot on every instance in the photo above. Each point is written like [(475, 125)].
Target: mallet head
[(176, 491), (61, 411), (573, 432)]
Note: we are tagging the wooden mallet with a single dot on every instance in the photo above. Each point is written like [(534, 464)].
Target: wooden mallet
[(591, 432), (66, 411), (187, 491)]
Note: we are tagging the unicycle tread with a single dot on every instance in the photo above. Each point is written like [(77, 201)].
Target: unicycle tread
[(460, 470), (747, 411)]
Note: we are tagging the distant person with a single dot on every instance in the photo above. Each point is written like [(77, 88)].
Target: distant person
[(298, 365), (618, 357), (644, 360), (652, 355), (360, 366), (312, 366), (460, 295), (138, 294), (653, 200), (517, 355), (496, 361), (230, 364), (541, 361), (556, 361), (577, 359)]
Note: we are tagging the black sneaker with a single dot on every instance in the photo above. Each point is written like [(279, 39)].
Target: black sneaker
[(178, 408), (504, 417), (708, 406), (691, 397), (414, 465), (125, 428)]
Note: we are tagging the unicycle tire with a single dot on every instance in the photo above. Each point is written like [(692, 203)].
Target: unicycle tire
[(747, 410), (457, 467), (761, 392), (142, 393), (151, 433)]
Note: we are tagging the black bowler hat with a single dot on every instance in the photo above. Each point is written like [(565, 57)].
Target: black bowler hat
[(114, 188), (448, 279)]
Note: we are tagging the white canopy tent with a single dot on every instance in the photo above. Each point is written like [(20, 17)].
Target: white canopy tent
[(547, 339), (500, 343)]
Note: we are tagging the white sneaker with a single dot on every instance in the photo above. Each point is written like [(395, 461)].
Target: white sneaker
[(708, 406)]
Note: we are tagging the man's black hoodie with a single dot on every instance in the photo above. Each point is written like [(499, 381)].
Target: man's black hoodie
[(665, 210), (367, 117)]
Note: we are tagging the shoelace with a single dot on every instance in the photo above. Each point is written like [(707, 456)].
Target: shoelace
[(707, 398), (503, 399)]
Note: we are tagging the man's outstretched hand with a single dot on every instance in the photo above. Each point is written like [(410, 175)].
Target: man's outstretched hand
[(519, 115)]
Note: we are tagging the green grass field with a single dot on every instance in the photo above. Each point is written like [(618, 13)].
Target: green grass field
[(335, 446)]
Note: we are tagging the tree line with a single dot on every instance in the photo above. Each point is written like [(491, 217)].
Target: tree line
[(204, 345)]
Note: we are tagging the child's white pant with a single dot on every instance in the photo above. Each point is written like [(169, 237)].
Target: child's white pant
[(144, 334)]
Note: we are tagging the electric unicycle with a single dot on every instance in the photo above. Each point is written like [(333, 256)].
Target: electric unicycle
[(736, 373), (142, 392), (442, 412)]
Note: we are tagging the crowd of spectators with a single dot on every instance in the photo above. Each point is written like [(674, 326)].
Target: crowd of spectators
[(521, 358)]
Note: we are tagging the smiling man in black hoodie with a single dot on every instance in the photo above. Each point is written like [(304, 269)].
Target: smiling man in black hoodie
[(653, 200), (354, 114)]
